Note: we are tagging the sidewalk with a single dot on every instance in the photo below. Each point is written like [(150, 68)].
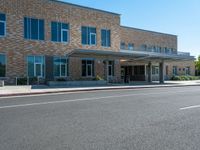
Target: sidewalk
[(42, 89)]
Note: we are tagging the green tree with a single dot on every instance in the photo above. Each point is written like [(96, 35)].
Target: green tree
[(197, 66)]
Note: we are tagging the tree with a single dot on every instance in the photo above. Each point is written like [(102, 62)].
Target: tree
[(197, 66)]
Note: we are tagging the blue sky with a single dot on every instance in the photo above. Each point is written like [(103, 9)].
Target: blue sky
[(179, 17)]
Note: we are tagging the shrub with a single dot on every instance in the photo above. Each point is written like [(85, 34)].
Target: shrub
[(22, 81), (98, 78), (61, 79), (184, 78)]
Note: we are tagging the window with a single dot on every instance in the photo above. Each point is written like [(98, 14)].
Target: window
[(130, 46), (155, 70), (123, 45), (105, 38), (2, 24), (33, 29), (111, 66), (59, 32), (60, 66), (143, 47), (88, 35), (35, 66), (87, 68), (174, 70), (2, 65), (187, 71)]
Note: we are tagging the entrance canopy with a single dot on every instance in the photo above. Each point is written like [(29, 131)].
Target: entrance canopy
[(132, 55)]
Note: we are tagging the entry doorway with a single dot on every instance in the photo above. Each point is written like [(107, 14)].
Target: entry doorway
[(132, 73)]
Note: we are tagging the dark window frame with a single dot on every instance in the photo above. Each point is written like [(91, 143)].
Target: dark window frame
[(85, 64)]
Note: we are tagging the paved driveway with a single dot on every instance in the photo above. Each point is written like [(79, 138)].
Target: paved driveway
[(144, 119)]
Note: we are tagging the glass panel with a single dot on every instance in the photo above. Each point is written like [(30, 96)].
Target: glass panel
[(89, 70), (2, 65), (2, 29), (83, 67), (84, 35), (63, 70), (65, 26), (108, 39), (30, 60), (92, 30), (59, 31), (103, 37), (65, 36), (93, 39), (25, 28), (2, 17), (41, 29), (54, 31), (34, 29), (38, 59), (38, 69)]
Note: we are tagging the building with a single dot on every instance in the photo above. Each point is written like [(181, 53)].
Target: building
[(54, 40)]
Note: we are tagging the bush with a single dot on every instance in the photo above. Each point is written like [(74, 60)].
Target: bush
[(61, 79), (184, 78), (22, 81), (98, 78)]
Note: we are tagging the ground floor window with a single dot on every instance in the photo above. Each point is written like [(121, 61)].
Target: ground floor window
[(35, 66), (111, 66), (2, 65), (174, 70), (187, 71), (60, 66), (87, 68), (155, 70)]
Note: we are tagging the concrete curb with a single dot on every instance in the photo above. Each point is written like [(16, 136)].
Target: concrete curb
[(95, 89)]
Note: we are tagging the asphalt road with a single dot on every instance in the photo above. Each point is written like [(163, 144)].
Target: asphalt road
[(144, 119)]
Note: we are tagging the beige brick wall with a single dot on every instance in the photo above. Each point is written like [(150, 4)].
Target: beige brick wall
[(17, 48), (149, 38)]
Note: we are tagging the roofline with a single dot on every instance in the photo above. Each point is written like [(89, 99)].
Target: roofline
[(85, 7), (149, 31)]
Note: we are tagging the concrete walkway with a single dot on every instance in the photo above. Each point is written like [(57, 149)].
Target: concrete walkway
[(42, 89)]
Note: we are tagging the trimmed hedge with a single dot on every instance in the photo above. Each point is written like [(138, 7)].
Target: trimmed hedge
[(185, 78)]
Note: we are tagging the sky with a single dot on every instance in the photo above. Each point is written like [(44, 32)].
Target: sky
[(179, 17)]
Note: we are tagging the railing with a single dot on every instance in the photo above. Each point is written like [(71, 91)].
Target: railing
[(159, 51)]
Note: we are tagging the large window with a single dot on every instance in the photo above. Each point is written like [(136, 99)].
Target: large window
[(122, 45), (2, 24), (155, 70), (33, 29), (35, 66), (130, 46), (174, 70), (111, 66), (60, 66), (2, 65), (59, 32), (105, 38), (88, 35), (87, 68), (187, 71)]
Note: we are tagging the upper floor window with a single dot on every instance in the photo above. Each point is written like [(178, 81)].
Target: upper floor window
[(33, 29), (130, 46), (144, 47), (2, 24), (105, 38), (60, 66), (2, 65), (88, 35), (59, 32), (123, 45)]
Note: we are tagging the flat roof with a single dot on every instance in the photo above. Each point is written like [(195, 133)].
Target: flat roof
[(84, 7), (148, 31)]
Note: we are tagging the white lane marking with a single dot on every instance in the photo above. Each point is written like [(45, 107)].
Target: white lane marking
[(86, 99), (190, 107)]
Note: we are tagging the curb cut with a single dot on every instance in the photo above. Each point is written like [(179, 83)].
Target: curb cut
[(93, 89)]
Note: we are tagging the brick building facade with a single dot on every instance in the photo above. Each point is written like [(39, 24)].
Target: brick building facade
[(52, 39)]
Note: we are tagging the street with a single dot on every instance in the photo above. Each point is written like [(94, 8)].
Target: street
[(144, 119)]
